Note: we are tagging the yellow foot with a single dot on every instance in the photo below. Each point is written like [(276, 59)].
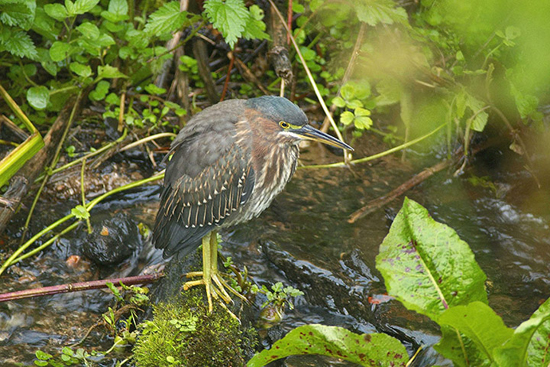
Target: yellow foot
[(216, 287)]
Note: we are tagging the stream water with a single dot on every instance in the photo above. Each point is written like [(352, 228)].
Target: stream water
[(305, 240)]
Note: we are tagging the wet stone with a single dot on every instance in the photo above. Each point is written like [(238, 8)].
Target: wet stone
[(113, 240)]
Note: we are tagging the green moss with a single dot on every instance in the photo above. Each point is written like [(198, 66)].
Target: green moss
[(182, 333)]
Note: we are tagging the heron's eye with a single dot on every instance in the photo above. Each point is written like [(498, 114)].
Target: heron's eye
[(284, 125)]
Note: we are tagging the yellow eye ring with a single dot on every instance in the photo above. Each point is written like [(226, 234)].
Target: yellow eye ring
[(284, 125)]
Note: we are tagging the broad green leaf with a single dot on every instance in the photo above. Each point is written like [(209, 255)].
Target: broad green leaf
[(89, 30), (80, 70), (18, 43), (17, 13), (38, 97), (109, 72), (60, 51), (168, 18), (335, 342), (80, 212), (229, 17), (426, 265), (478, 322), (460, 349), (56, 11), (42, 355), (530, 342)]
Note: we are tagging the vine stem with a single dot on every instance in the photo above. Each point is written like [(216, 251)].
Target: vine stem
[(379, 155)]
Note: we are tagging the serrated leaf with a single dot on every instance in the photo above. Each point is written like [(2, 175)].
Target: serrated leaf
[(38, 97), (168, 18), (479, 121), (347, 117), (56, 11), (374, 12), (81, 6), (19, 43), (426, 265), (362, 122), (335, 342), (18, 13), (109, 72), (255, 27), (339, 102), (89, 30), (80, 212), (229, 17), (60, 51), (119, 8)]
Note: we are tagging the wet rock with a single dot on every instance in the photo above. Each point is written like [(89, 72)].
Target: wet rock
[(113, 240)]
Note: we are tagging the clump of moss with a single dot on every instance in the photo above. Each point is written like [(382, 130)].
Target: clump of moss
[(183, 333)]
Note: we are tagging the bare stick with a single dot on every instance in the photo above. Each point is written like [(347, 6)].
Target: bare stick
[(77, 287)]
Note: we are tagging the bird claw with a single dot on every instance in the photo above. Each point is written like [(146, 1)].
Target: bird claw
[(215, 287)]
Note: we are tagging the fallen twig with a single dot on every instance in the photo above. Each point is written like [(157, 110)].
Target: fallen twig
[(81, 286)]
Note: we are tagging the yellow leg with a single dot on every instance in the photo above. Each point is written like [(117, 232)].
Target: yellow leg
[(211, 277)]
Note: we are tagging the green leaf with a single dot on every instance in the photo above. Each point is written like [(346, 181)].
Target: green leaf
[(426, 266), (80, 212), (60, 51), (18, 43), (89, 30), (229, 17), (56, 11), (374, 12), (80, 6), (479, 121), (339, 102), (347, 117), (117, 11), (100, 91), (460, 349), (335, 342), (80, 70), (479, 323), (529, 343), (109, 72), (255, 27), (18, 13), (167, 19), (42, 355), (38, 97)]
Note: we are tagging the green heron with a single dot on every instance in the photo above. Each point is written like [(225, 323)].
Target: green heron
[(228, 164)]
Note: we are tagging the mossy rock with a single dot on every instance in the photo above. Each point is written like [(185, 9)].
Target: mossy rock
[(184, 334)]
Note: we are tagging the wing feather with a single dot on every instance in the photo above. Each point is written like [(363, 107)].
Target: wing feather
[(191, 206)]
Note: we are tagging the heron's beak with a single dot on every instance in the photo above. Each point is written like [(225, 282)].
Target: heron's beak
[(310, 133)]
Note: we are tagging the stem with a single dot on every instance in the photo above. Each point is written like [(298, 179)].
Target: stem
[(379, 155), (84, 195)]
